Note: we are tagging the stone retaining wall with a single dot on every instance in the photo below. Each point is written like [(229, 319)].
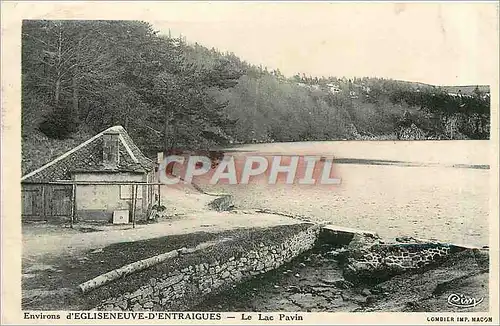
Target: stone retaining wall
[(180, 289)]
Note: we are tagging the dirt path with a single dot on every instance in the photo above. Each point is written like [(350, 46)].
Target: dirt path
[(72, 242)]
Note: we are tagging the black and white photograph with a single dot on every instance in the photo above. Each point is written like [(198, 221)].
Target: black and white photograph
[(255, 162)]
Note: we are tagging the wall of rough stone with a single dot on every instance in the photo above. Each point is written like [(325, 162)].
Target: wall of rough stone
[(180, 289)]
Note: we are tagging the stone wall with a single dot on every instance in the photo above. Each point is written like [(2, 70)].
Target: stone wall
[(183, 288), (97, 202)]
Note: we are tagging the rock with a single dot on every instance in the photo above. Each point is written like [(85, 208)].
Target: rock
[(173, 280), (148, 291), (237, 275), (331, 280), (432, 287), (365, 272), (366, 292), (224, 203), (96, 251), (327, 292), (111, 300), (137, 307), (354, 298), (337, 282), (148, 305), (340, 252), (333, 253), (282, 304), (136, 294), (361, 244), (294, 289), (370, 299), (123, 304)]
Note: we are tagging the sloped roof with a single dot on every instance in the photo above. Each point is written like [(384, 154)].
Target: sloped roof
[(87, 157)]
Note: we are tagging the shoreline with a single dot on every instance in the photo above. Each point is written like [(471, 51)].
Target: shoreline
[(318, 279)]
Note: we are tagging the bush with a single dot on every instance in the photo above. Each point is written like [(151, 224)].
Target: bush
[(59, 124)]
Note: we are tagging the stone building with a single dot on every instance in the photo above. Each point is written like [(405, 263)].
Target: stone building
[(89, 182)]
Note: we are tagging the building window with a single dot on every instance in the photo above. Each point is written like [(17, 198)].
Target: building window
[(126, 192)]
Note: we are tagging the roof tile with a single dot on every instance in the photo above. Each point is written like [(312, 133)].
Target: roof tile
[(89, 158)]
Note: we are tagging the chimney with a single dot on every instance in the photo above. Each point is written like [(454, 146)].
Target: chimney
[(160, 157), (110, 150)]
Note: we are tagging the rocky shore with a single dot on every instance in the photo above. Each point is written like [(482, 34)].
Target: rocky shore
[(336, 279)]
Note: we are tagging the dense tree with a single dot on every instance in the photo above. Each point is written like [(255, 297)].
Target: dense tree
[(88, 75)]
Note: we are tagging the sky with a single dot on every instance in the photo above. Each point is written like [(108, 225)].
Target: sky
[(440, 43), (435, 43)]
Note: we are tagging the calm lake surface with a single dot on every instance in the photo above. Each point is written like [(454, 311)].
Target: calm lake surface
[(426, 189)]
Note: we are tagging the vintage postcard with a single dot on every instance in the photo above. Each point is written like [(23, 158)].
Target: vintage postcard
[(250, 163)]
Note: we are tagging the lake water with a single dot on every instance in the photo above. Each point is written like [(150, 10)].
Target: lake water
[(426, 189)]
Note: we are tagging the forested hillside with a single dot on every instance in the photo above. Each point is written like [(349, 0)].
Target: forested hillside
[(80, 77)]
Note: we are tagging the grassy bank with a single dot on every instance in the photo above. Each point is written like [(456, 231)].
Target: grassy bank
[(53, 284)]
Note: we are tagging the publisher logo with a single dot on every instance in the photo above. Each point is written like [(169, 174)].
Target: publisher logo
[(463, 301)]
